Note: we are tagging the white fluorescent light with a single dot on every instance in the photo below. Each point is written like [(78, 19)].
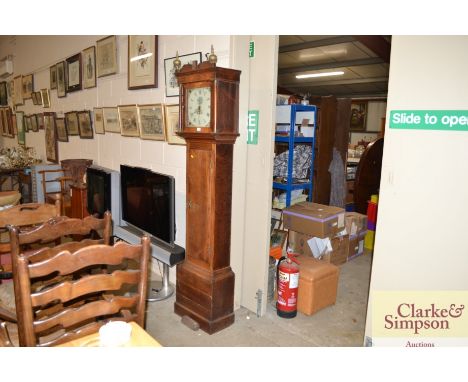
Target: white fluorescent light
[(136, 58), (325, 74)]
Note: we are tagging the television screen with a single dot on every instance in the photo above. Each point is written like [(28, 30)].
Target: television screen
[(148, 201), (98, 193)]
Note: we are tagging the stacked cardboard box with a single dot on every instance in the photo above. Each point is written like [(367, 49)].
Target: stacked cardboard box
[(356, 226)]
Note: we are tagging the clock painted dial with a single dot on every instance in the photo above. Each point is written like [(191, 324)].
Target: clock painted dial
[(199, 107)]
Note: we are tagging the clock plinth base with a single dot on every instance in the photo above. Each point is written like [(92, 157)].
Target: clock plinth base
[(201, 295)]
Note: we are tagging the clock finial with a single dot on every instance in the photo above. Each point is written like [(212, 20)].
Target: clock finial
[(177, 62), (212, 58)]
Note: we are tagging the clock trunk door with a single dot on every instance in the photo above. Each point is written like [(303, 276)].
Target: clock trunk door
[(199, 247)]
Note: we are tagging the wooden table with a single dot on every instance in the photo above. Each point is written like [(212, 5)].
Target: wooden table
[(139, 337)]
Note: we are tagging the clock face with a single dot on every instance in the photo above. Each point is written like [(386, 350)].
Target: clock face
[(199, 107)]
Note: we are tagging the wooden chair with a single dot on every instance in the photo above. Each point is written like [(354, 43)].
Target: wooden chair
[(42, 238), (79, 306)]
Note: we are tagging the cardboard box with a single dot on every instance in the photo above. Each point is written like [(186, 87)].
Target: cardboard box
[(356, 245), (318, 284), (298, 243), (314, 219), (355, 223)]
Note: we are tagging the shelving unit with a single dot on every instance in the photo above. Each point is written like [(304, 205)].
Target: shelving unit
[(294, 120)]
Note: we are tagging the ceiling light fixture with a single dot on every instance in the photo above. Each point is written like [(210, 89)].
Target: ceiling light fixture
[(325, 74)]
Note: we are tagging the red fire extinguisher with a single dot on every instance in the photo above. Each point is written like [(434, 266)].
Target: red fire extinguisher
[(287, 281)]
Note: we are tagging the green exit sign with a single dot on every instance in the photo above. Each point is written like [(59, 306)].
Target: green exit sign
[(251, 49)]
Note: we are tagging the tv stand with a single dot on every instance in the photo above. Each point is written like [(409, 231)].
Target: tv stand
[(169, 255)]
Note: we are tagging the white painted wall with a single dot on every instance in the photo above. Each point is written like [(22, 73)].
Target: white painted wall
[(421, 230)]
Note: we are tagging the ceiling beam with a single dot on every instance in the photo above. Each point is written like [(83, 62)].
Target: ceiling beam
[(376, 44), (350, 81), (316, 43), (331, 65)]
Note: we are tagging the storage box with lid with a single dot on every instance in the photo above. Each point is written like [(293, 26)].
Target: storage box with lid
[(318, 285), (314, 219)]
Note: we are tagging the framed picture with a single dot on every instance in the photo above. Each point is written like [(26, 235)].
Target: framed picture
[(71, 122), (39, 98), (53, 77), (84, 124), (28, 86), (128, 118), (110, 116), (62, 135), (10, 89), (151, 121), (50, 137), (88, 67), (20, 128), (61, 80), (27, 123), (172, 88), (45, 96), (278, 238), (171, 118), (3, 94), (98, 120), (13, 123), (142, 62), (358, 116), (9, 117), (106, 56), (18, 90), (73, 73), (40, 121), (3, 124), (34, 125), (34, 98)]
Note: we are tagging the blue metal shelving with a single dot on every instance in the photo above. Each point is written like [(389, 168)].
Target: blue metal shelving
[(292, 140)]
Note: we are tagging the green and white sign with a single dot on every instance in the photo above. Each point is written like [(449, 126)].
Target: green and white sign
[(452, 120), (252, 127), (251, 49)]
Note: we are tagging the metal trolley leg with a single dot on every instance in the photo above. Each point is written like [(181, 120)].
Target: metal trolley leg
[(158, 290)]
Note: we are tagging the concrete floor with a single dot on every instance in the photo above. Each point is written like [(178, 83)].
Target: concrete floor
[(339, 325)]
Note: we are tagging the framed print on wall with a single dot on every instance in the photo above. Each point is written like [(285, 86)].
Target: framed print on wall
[(27, 123), (20, 128), (88, 67), (358, 116), (34, 125), (62, 135), (28, 86), (71, 121), (106, 56), (18, 90), (50, 137), (53, 77), (73, 73), (45, 98), (128, 118), (110, 116), (3, 94), (61, 80), (151, 120), (84, 124), (40, 121), (98, 120), (172, 87), (171, 118), (142, 62)]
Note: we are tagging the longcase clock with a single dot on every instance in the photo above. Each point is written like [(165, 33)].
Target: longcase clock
[(209, 107)]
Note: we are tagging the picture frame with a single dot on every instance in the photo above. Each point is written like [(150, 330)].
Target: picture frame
[(88, 67), (171, 119), (34, 98), (27, 123), (40, 121), (21, 136), (61, 80), (172, 87), (39, 98), (278, 238), (18, 91), (128, 119), (142, 62), (106, 56), (62, 135), (85, 125), (98, 120), (73, 74), (3, 123), (13, 123), (45, 96), (27, 86), (71, 122), (53, 77), (10, 89), (50, 137), (110, 116), (3, 94), (358, 117), (34, 125), (151, 121)]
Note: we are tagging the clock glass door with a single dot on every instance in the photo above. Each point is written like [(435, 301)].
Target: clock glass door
[(199, 107)]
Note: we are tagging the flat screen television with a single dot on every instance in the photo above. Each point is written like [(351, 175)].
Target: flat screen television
[(103, 192), (148, 202)]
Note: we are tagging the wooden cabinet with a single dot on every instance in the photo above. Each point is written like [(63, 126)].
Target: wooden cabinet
[(78, 202)]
